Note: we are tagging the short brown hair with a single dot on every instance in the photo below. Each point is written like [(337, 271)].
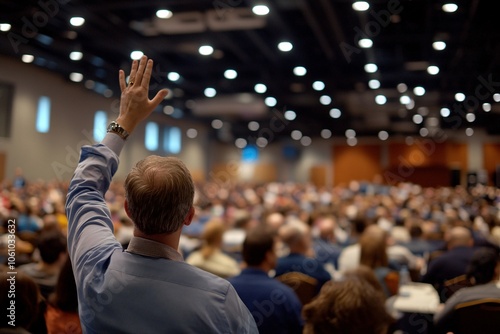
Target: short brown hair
[(160, 193), (349, 307)]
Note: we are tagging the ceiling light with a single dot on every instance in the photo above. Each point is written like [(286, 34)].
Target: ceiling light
[(350, 133), (253, 126), (371, 68), (402, 88), (419, 91), (383, 135), (460, 97), (27, 58), (360, 6), (365, 43), (380, 99), (410, 105), (470, 117), (89, 84), (433, 70), (260, 10), (318, 85), (164, 14), (469, 132), (405, 99), (450, 7), (75, 55), (439, 45), (335, 113), (296, 135), (306, 141), (270, 101), (192, 133), (217, 124), (260, 88), (424, 132), (76, 77), (173, 76), (325, 133), (168, 110), (290, 115), (417, 119), (352, 141), (230, 74), (261, 142), (299, 71), (325, 100), (210, 92), (240, 143), (136, 55), (285, 46), (5, 27), (496, 97), (77, 21), (445, 112), (374, 84), (487, 107), (206, 50)]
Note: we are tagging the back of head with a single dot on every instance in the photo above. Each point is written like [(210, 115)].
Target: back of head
[(212, 237), (258, 242), (482, 266), (460, 236), (367, 274), (373, 244), (159, 193), (295, 235), (51, 245), (349, 307)]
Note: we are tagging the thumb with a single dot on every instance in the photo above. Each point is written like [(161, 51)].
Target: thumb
[(159, 97)]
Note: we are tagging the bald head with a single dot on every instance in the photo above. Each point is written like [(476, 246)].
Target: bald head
[(460, 237)]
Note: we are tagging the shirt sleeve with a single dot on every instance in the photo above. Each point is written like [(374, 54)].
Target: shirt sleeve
[(240, 320)]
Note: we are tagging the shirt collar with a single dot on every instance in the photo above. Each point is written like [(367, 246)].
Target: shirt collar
[(150, 248)]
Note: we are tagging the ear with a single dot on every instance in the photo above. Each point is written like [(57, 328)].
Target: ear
[(189, 217), (125, 206)]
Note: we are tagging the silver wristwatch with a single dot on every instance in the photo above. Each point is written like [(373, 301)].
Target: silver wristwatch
[(116, 128)]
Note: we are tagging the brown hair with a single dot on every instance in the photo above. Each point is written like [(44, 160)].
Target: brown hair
[(159, 192), (212, 237), (368, 275), (373, 244), (349, 307)]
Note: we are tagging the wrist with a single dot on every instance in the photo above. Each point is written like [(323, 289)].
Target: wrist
[(126, 124), (118, 129)]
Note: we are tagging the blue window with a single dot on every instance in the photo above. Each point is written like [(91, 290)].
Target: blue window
[(152, 136), (100, 124), (250, 154), (43, 115), (172, 140)]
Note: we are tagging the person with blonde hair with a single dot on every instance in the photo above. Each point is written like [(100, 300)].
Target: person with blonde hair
[(210, 257)]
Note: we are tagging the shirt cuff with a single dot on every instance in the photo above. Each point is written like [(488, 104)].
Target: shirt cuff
[(114, 142)]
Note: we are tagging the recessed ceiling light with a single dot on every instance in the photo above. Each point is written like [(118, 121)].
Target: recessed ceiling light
[(365, 43), (299, 71), (433, 70), (469, 132), (325, 100), (217, 124), (270, 101), (419, 91), (168, 110), (76, 55), (326, 133), (445, 112), (136, 55), (417, 119), (206, 50), (405, 99), (496, 97), (5, 27), (296, 135), (352, 141), (164, 14), (439, 45), (371, 68), (383, 135), (285, 46), (260, 10), (210, 92), (470, 117), (318, 85), (424, 132), (380, 99), (253, 126), (240, 143), (290, 115), (76, 77), (192, 133), (27, 58), (260, 88), (487, 107), (173, 76), (450, 7), (335, 113), (374, 84), (230, 74), (350, 133), (77, 21), (360, 6), (306, 140), (261, 142), (402, 88), (460, 97)]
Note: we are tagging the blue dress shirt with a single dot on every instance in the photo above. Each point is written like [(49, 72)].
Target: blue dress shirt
[(124, 292)]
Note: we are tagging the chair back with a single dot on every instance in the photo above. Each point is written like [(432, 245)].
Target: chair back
[(479, 316), (305, 287), (453, 285)]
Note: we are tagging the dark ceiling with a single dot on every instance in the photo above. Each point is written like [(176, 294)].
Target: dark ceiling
[(325, 37)]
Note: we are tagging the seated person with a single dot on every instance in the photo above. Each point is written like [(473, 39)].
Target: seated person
[(210, 257), (352, 306), (325, 246), (274, 306), (484, 271), (53, 252), (298, 239)]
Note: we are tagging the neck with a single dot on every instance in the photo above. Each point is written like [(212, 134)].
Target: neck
[(170, 239)]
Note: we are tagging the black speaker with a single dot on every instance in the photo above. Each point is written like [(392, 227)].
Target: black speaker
[(471, 179), (455, 177)]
